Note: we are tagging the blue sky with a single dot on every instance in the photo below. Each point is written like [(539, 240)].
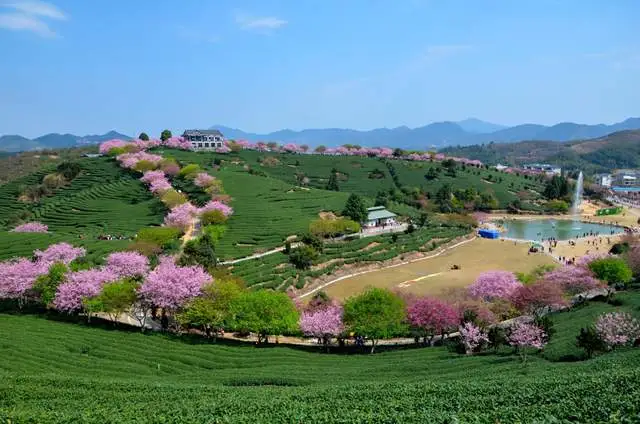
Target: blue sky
[(88, 66)]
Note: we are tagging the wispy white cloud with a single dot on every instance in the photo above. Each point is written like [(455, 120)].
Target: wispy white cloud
[(29, 15), (193, 35), (37, 8), (260, 24)]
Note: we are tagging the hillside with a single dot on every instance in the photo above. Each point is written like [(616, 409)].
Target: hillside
[(59, 372), (617, 150), (437, 135)]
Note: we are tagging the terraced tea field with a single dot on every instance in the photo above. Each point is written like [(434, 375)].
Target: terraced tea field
[(103, 199), (58, 372)]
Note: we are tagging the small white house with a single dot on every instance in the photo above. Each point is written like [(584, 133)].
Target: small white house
[(500, 167), (204, 139), (379, 216)]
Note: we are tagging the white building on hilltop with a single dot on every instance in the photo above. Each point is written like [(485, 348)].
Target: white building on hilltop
[(204, 139)]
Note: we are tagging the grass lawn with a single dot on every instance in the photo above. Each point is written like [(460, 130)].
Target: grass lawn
[(57, 372), (434, 276)]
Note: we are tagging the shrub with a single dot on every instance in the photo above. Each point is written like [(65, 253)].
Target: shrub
[(171, 198), (614, 271), (213, 217), (31, 227), (190, 171), (160, 236), (556, 206), (147, 248), (144, 166), (303, 257), (333, 227), (313, 241), (53, 181)]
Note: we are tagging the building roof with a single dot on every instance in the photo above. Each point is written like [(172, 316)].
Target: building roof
[(379, 212), (202, 132)]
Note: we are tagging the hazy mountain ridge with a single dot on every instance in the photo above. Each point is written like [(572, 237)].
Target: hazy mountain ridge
[(17, 143), (437, 134)]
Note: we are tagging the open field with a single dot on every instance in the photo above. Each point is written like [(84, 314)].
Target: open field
[(434, 276), (58, 372)]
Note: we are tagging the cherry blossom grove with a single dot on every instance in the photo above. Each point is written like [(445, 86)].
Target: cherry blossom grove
[(31, 227)]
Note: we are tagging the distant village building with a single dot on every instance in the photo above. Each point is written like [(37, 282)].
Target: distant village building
[(500, 167), (379, 216), (543, 168), (625, 178), (204, 139), (604, 180)]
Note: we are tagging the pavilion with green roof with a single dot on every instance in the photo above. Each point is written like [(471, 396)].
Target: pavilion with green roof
[(379, 216)]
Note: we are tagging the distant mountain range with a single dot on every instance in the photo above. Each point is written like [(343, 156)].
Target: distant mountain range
[(436, 135), (17, 143)]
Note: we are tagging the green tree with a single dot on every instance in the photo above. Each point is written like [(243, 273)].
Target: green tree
[(332, 184), (69, 170), (589, 340), (382, 199), (398, 152), (431, 174), (615, 271), (303, 257), (556, 206), (355, 208), (444, 199), (165, 135), (375, 314), (264, 312), (199, 251), (114, 299), (486, 201), (556, 188), (212, 311), (213, 217), (321, 149), (144, 137), (46, 285)]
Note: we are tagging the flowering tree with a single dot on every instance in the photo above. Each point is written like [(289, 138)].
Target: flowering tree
[(151, 176), (79, 286), (18, 276), (323, 323), (160, 186), (585, 260), (59, 252), (181, 216), (472, 337), (477, 312), (214, 205), (526, 335), (433, 316), (572, 279), (31, 227), (177, 143), (106, 146), (129, 160), (203, 179), (128, 264), (494, 285), (537, 297), (170, 286), (617, 329)]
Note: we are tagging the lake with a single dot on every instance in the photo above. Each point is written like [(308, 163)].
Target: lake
[(561, 229)]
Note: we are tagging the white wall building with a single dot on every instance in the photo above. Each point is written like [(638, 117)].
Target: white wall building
[(204, 139)]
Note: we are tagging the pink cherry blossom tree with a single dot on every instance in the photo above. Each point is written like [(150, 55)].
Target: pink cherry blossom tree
[(214, 205), (170, 286), (617, 329), (526, 335), (433, 316), (538, 298), (18, 276), (151, 176), (159, 186), (127, 264), (203, 180), (472, 337), (79, 286), (181, 216), (106, 146), (59, 252), (31, 227), (323, 323), (573, 279), (492, 285)]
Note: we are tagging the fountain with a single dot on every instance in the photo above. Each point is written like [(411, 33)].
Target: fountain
[(577, 195)]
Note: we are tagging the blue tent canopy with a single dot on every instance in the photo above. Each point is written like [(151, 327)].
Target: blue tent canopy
[(490, 234)]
